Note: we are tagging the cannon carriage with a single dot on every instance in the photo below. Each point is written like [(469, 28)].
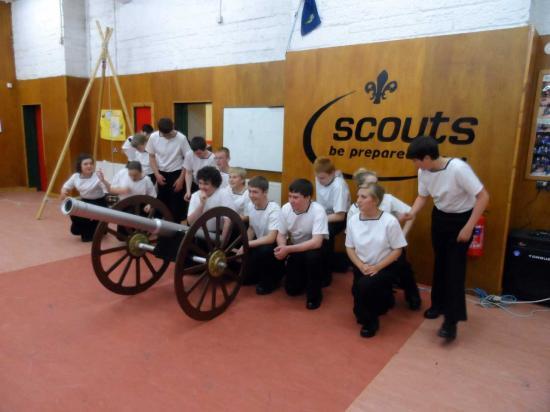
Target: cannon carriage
[(136, 240)]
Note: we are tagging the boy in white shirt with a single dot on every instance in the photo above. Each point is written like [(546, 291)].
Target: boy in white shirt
[(194, 162), (333, 194), (167, 149), (138, 143), (302, 229), (263, 217), (237, 189), (222, 156), (459, 201), (399, 209)]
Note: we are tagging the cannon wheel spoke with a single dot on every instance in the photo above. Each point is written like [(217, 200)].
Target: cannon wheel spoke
[(104, 251)]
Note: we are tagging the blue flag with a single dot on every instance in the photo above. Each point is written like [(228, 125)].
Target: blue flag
[(310, 17)]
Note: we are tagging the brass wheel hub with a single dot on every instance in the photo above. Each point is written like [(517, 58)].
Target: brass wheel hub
[(133, 244), (217, 263)]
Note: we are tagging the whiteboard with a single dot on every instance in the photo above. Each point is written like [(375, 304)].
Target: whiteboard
[(254, 135)]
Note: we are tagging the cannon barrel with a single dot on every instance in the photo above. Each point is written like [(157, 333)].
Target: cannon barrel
[(74, 207)]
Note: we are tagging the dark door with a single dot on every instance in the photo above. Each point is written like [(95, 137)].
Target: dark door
[(34, 142), (181, 118)]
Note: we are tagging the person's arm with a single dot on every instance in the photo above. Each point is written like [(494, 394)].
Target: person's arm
[(197, 212), (102, 179), (407, 226), (417, 206), (355, 259), (482, 200), (268, 239), (283, 251), (178, 184), (153, 164), (188, 183), (336, 217), (388, 260)]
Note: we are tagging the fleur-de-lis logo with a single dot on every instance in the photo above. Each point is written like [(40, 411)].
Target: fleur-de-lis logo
[(378, 91)]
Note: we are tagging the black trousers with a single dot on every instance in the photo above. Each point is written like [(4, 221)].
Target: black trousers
[(406, 280), (263, 268), (153, 178), (332, 261), (373, 295), (86, 227), (172, 199), (449, 275), (303, 273)]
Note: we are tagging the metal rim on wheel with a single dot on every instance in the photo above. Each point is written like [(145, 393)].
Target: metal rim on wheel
[(116, 256), (208, 272)]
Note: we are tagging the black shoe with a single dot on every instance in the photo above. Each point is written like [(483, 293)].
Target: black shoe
[(369, 329), (447, 331), (75, 230), (313, 304), (431, 313), (414, 303), (86, 238), (262, 290)]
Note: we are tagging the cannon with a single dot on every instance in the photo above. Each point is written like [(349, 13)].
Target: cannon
[(136, 240)]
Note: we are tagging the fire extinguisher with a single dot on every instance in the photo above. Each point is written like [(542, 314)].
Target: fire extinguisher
[(476, 246)]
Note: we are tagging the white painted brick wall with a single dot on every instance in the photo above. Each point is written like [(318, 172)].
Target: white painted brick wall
[(36, 26), (540, 15), (165, 35), (76, 38)]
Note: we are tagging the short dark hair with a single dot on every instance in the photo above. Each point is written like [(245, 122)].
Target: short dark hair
[(197, 143), (210, 174), (147, 128), (165, 125), (259, 182), (302, 186), (134, 165), (81, 157), (138, 139), (423, 146)]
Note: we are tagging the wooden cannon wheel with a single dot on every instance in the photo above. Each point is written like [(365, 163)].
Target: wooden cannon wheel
[(208, 271), (118, 263)]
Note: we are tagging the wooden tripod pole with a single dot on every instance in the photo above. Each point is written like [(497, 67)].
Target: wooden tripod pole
[(99, 104), (71, 132)]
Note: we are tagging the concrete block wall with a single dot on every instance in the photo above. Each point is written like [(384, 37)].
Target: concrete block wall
[(163, 35)]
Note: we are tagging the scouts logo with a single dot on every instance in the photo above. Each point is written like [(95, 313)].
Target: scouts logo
[(379, 89)]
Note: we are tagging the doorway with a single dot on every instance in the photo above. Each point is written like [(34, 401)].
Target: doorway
[(194, 119), (34, 145)]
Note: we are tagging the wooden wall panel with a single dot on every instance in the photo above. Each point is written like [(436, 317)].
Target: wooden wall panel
[(13, 149), (82, 140), (530, 207), (51, 94), (471, 75)]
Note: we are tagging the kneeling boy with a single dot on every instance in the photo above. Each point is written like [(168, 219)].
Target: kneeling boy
[(302, 228)]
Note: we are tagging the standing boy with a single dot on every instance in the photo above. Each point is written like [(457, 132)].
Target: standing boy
[(302, 229), (459, 200), (194, 162), (167, 149)]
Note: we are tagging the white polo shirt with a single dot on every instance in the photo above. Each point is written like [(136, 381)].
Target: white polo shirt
[(225, 180), (220, 197), (453, 188), (302, 226), (88, 187), (374, 239), (144, 186), (169, 153), (334, 197), (389, 204), (263, 221), (241, 200), (194, 163)]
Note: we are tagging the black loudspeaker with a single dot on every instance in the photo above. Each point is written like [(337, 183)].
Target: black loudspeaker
[(527, 266)]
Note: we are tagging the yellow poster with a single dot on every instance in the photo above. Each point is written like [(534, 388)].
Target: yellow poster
[(112, 125)]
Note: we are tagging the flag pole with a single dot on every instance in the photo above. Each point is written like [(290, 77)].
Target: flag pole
[(293, 26)]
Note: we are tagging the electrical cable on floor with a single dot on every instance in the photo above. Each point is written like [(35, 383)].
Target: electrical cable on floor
[(501, 302)]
